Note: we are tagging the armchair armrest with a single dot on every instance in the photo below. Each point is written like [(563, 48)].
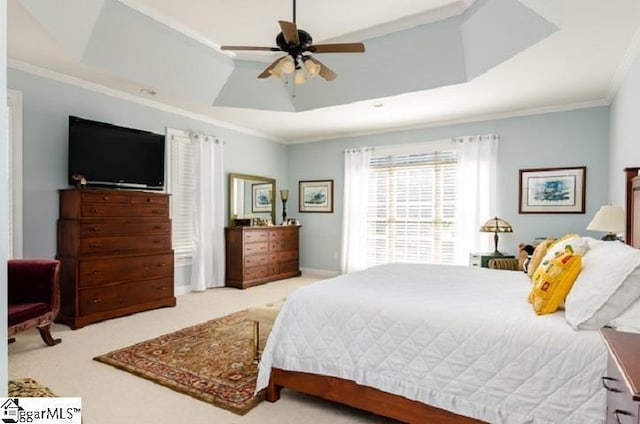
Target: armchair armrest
[(34, 280), (509, 264)]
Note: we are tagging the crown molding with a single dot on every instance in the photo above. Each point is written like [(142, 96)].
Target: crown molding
[(477, 118), (122, 95), (633, 52)]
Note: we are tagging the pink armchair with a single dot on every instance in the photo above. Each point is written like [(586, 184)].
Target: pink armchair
[(33, 296)]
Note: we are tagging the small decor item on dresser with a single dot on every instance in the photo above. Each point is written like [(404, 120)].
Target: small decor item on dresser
[(552, 190), (284, 195), (316, 196), (496, 225), (80, 181)]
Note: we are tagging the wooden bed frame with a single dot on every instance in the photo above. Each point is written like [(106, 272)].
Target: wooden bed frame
[(398, 407)]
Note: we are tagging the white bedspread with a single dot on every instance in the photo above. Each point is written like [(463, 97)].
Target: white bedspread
[(459, 338)]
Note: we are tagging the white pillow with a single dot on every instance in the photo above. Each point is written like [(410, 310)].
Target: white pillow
[(608, 283), (629, 320)]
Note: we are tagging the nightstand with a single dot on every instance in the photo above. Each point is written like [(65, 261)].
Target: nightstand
[(622, 381), (482, 259)]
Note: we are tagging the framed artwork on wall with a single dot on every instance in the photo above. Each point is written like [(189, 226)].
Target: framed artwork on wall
[(261, 198), (316, 196), (552, 190)]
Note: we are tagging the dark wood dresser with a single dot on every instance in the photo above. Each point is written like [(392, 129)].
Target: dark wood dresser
[(256, 255), (115, 253), (622, 381)]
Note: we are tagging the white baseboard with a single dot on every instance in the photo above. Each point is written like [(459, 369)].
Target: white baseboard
[(180, 290), (320, 272)]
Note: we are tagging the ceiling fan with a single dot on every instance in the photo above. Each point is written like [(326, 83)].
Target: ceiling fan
[(298, 46)]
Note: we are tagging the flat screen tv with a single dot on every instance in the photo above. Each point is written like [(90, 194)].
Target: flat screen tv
[(110, 156)]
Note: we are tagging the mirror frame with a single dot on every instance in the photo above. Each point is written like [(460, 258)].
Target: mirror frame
[(232, 192)]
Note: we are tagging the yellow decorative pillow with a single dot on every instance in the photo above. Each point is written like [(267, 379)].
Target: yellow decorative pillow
[(538, 255), (553, 280)]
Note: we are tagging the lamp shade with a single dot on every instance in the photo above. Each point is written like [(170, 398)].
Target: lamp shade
[(496, 225), (284, 194), (610, 219)]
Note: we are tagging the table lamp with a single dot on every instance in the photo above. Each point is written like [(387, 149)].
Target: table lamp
[(609, 219), (496, 225), (284, 195)]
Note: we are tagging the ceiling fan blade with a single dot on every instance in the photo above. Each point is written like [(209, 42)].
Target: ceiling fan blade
[(290, 32), (266, 73), (268, 49), (325, 72), (337, 48)]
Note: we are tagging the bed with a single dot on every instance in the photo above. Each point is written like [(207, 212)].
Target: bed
[(445, 344)]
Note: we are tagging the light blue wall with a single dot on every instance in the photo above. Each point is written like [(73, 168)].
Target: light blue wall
[(46, 106), (625, 133), (575, 138)]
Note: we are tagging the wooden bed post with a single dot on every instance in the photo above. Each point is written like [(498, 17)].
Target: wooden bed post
[(272, 393), (631, 173)]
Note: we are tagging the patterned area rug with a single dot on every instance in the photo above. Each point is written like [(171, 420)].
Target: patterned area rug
[(212, 361), (28, 387)]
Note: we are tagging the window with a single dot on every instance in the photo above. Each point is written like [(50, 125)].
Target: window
[(412, 208), (181, 186)]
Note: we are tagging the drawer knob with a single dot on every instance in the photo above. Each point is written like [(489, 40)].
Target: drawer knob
[(149, 200), (96, 300), (95, 245), (157, 227), (606, 386), (156, 211), (96, 272), (93, 210), (105, 197), (94, 229), (618, 412)]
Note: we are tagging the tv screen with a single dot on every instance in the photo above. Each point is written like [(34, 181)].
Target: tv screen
[(110, 156)]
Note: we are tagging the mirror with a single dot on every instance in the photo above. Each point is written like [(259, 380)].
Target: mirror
[(251, 199)]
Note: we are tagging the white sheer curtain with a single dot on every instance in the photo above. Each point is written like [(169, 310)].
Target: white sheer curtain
[(354, 217), (207, 268), (476, 193)]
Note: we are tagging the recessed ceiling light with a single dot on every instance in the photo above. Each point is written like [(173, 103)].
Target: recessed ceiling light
[(148, 91), (378, 104)]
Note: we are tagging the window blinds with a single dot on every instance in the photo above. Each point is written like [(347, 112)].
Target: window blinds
[(182, 191), (411, 210)]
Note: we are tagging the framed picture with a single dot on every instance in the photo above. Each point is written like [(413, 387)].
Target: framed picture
[(552, 190), (316, 196), (261, 199)]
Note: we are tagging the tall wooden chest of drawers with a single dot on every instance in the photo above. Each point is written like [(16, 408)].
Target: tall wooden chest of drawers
[(115, 253), (256, 255)]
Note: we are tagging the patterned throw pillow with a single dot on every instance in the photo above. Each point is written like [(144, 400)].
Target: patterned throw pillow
[(553, 280)]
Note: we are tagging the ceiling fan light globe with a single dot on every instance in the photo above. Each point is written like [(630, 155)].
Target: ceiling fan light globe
[(312, 68), (287, 65), (276, 72), (299, 77)]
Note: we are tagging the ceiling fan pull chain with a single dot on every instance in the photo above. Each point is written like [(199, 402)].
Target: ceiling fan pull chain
[(294, 11)]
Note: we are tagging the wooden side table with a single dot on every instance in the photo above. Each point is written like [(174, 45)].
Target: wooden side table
[(622, 381), (482, 259)]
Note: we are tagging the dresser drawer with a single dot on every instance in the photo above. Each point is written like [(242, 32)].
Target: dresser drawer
[(255, 260), (113, 270), (256, 236), (256, 272), (102, 299), (288, 255), (105, 198), (101, 211), (130, 227), (124, 243), (149, 200), (255, 248)]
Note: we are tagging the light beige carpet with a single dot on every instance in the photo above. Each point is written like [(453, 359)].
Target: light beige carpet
[(109, 395)]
